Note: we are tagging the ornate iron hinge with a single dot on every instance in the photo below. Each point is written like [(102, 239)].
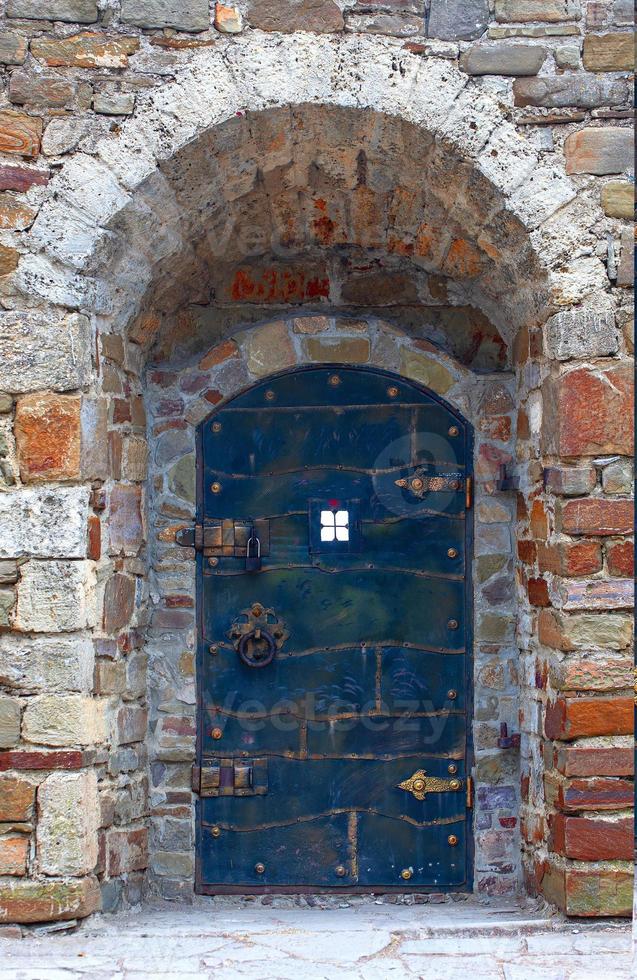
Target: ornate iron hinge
[(231, 777)]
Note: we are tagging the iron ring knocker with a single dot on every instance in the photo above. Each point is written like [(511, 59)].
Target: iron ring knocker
[(254, 659)]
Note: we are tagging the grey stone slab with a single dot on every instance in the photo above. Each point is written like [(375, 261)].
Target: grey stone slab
[(458, 20), (581, 333), (577, 90), (503, 59), (46, 522), (184, 15), (40, 351), (73, 11)]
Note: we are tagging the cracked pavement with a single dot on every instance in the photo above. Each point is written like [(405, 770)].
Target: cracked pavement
[(354, 939)]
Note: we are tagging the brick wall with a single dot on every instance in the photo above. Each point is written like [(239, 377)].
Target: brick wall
[(465, 173)]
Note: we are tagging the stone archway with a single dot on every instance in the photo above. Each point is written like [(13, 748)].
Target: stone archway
[(133, 259)]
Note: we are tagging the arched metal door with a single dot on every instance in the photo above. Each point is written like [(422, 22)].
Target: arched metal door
[(334, 685)]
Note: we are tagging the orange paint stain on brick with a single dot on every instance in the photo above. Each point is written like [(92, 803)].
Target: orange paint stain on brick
[(47, 430), (462, 259), (277, 285)]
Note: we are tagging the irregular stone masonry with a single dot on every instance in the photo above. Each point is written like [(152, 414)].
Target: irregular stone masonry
[(438, 189)]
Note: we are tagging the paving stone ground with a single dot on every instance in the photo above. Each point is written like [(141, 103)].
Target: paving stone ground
[(356, 939)]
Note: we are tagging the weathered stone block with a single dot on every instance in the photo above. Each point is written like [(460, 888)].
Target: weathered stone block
[(584, 631), (68, 820), (87, 50), (47, 430), (598, 594), (623, 13), (599, 151), (567, 56), (20, 134), (33, 664), (126, 850), (73, 11), (9, 722), (114, 103), (523, 11), (7, 602), (392, 25), (575, 90), (119, 602), (287, 16), (429, 371), (617, 477), (14, 851), (184, 15), (56, 597), (503, 59), (228, 20), (590, 412), (17, 799), (132, 724), (581, 333), (626, 267), (13, 48), (618, 199), (14, 215), (41, 351), (63, 719), (609, 52), (45, 522), (338, 350), (458, 20), (269, 349), (592, 672), (570, 481), (126, 526), (134, 458), (38, 901), (47, 91)]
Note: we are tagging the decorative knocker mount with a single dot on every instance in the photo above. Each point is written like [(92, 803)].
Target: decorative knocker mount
[(421, 483), (259, 636), (420, 784)]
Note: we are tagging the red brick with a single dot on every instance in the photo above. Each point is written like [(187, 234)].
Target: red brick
[(593, 412), (121, 410), (571, 760), (219, 354), (21, 178), (598, 793), (570, 558), (538, 591), (539, 521), (126, 850), (14, 851), (47, 429), (597, 515), (94, 549), (119, 602), (527, 552), (588, 839), (63, 759), (17, 798), (621, 558), (569, 718)]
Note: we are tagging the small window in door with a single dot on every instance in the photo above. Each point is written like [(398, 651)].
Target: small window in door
[(334, 526)]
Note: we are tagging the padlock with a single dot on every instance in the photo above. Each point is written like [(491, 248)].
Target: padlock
[(253, 562)]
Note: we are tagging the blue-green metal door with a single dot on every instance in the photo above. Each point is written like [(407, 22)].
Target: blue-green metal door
[(334, 549)]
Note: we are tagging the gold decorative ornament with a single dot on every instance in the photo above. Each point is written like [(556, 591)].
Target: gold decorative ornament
[(452, 840), (216, 734), (454, 430), (340, 871), (216, 426), (216, 831), (259, 868), (216, 488), (270, 396), (419, 784), (392, 391), (406, 874)]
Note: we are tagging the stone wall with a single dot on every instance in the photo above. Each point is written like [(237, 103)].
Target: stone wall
[(464, 172)]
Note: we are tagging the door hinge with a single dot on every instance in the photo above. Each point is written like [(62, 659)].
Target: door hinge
[(195, 779), (468, 499), (469, 792)]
